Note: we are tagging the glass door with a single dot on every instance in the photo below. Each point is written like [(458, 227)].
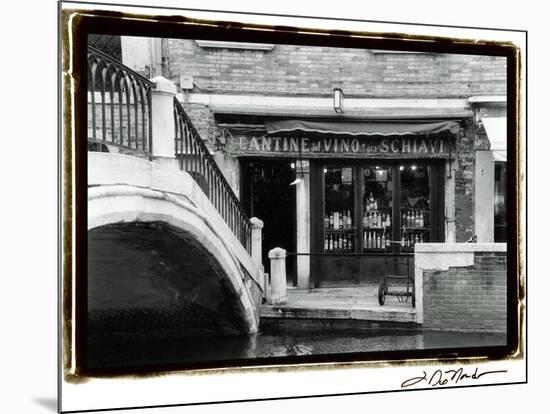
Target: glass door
[(377, 201), (339, 265), (339, 210), (415, 217)]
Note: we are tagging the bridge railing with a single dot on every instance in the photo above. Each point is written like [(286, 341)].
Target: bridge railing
[(119, 104), (195, 158)]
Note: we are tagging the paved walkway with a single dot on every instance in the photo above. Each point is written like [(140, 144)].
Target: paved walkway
[(357, 302)]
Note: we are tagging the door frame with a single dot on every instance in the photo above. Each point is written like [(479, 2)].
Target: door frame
[(246, 199)]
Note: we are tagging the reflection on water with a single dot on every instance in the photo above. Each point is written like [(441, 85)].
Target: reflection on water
[(162, 352)]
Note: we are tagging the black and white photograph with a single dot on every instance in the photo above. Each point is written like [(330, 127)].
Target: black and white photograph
[(253, 197), (251, 200)]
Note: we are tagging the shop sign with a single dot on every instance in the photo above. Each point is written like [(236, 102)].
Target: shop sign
[(341, 146)]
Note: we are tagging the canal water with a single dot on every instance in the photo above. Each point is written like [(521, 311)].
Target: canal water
[(146, 353)]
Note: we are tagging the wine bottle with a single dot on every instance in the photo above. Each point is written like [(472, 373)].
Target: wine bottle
[(364, 239), (326, 242), (331, 221), (421, 219), (326, 222), (348, 220), (404, 219)]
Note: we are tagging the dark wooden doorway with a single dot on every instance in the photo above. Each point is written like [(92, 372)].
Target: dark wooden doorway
[(266, 193)]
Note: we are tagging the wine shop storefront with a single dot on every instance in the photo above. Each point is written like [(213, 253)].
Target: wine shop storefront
[(351, 198)]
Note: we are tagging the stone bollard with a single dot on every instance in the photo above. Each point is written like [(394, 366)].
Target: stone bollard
[(277, 256)]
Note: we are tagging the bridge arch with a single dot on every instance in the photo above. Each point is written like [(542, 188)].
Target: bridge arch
[(126, 212)]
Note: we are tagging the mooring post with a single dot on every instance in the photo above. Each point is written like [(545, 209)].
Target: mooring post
[(277, 257)]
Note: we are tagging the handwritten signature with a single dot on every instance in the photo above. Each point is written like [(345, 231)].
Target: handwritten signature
[(451, 376)]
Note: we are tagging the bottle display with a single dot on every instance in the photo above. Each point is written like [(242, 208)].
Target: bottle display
[(368, 221), (335, 242), (415, 205), (377, 208), (339, 225)]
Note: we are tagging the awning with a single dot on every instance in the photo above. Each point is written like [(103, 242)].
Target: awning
[(360, 128), (496, 132)]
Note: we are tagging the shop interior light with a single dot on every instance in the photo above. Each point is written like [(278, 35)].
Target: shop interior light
[(325, 170), (401, 168), (292, 165), (413, 168), (338, 96)]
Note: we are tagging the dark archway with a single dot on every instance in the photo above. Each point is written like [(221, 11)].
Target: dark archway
[(151, 286)]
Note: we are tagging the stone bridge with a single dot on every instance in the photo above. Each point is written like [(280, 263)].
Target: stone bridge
[(161, 259)]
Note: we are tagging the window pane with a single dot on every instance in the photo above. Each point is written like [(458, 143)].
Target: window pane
[(339, 196), (377, 207), (415, 204)]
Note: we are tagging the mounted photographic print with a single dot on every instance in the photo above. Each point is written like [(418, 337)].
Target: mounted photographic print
[(310, 207)]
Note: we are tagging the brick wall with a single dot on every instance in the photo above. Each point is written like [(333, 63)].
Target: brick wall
[(471, 298), (203, 120), (294, 69)]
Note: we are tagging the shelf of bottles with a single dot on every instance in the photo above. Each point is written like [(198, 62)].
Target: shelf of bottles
[(376, 225), (415, 210), (377, 211), (339, 228), (414, 227), (339, 232)]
